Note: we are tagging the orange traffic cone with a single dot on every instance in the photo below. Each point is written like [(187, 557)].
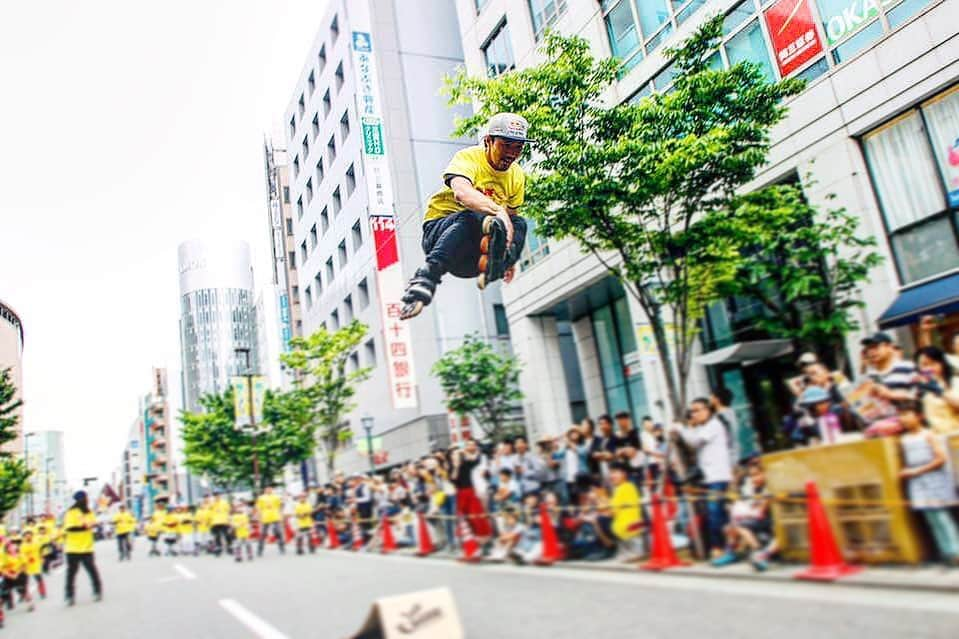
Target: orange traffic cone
[(426, 542), (332, 538), (669, 493), (471, 553), (663, 554), (288, 533), (551, 551), (389, 542), (825, 560), (357, 535)]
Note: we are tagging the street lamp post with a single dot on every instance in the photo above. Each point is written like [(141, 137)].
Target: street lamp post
[(367, 422), (46, 479), (26, 461), (249, 384)]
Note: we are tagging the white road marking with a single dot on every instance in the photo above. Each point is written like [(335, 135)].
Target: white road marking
[(185, 572), (823, 593), (254, 624)]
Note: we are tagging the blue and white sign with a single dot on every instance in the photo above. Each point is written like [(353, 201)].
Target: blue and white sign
[(362, 42)]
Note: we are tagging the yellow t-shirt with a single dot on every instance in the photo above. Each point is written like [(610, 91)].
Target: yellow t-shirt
[(78, 542), (30, 551), (506, 188), (626, 512), (268, 507), (171, 523), (153, 529), (186, 523), (304, 515), (220, 515), (241, 525), (124, 522), (203, 519), (13, 565)]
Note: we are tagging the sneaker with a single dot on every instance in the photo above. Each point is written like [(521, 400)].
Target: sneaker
[(71, 601), (726, 559), (419, 291), (760, 561), (98, 596)]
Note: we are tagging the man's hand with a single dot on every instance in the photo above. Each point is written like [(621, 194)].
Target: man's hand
[(503, 216), (509, 274)]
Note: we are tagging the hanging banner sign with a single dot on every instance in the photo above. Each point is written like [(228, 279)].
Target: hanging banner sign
[(794, 35), (389, 273)]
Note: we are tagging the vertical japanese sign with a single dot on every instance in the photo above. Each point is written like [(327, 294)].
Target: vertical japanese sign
[(389, 273), (793, 32)]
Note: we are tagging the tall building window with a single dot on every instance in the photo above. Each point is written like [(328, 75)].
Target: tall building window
[(335, 28), (335, 320), (301, 106), (313, 237), (325, 220), (338, 77), (357, 236), (306, 147), (327, 103), (309, 297), (480, 4), (296, 294), (292, 128), (363, 294), (289, 226), (337, 202), (502, 324), (321, 58), (299, 207), (638, 26), (303, 252), (331, 150), (354, 362), (309, 190), (286, 195), (292, 257), (350, 181), (330, 271), (498, 51), (341, 250), (545, 13), (319, 171), (311, 82), (317, 284), (370, 352), (296, 166), (345, 125), (914, 165), (316, 125), (348, 309)]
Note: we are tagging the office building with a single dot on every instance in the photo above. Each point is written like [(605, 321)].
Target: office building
[(282, 243), (217, 316), (11, 356), (45, 458), (129, 478), (367, 139), (157, 442), (876, 126)]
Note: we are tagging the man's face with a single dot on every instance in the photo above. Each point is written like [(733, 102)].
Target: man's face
[(698, 413), (617, 477), (471, 447), (501, 153), (521, 446), (605, 427), (624, 423), (648, 425)]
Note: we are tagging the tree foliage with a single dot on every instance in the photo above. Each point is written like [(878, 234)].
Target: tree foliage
[(637, 184), (804, 265), (320, 363), (14, 473), (215, 447), (480, 382)]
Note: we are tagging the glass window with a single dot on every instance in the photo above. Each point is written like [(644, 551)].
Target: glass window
[(622, 31), (749, 45), (926, 250), (814, 70), (904, 174), (857, 43), (624, 323), (611, 360), (480, 4), (901, 13), (545, 13), (502, 325), (652, 15), (942, 118), (682, 14), (656, 40), (742, 12), (499, 52)]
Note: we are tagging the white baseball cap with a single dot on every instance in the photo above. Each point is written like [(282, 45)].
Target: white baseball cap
[(509, 126)]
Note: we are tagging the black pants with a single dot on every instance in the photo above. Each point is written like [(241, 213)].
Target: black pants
[(264, 532), (221, 538), (74, 561), (123, 544), (453, 242)]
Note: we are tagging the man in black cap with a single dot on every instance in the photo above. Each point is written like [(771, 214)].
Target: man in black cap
[(895, 378), (78, 524), (471, 227)]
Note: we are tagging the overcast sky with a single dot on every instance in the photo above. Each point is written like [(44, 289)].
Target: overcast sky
[(127, 127)]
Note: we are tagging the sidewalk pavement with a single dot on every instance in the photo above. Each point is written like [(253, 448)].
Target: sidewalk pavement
[(927, 577)]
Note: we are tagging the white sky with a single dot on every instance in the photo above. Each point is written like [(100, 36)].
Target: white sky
[(128, 127)]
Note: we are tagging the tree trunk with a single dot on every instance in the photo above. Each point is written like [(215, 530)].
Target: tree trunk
[(676, 395)]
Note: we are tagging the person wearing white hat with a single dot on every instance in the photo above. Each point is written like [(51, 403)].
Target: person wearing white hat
[(471, 228)]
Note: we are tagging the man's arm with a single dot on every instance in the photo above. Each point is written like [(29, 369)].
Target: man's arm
[(471, 198)]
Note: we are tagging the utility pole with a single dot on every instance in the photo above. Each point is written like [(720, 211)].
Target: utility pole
[(46, 477), (252, 415)]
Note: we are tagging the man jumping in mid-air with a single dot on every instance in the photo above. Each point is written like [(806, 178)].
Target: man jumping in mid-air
[(471, 228)]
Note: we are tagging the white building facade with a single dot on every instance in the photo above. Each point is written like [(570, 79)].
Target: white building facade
[(367, 139), (877, 126)]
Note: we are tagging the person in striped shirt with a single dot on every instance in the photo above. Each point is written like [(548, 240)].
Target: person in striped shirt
[(895, 378)]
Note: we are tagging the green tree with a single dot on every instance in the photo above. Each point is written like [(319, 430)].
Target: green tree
[(215, 447), (323, 378), (14, 474), (636, 184), (804, 265), (480, 382)]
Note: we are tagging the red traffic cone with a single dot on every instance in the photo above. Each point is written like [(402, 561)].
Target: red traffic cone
[(288, 533), (669, 494), (663, 555), (332, 538), (471, 553), (825, 561), (357, 535), (389, 542), (426, 542), (255, 530), (551, 551)]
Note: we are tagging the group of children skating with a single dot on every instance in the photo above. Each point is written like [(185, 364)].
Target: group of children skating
[(26, 555)]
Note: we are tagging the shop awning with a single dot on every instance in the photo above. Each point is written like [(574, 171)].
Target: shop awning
[(746, 353), (938, 296)]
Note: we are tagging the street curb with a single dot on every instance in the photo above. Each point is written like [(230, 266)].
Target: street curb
[(778, 575)]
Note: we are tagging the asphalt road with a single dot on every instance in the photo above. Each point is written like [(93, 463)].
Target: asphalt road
[(328, 595)]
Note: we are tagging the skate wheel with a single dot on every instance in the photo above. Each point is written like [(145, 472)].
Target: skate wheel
[(411, 310), (484, 245), (481, 281), (483, 263)]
